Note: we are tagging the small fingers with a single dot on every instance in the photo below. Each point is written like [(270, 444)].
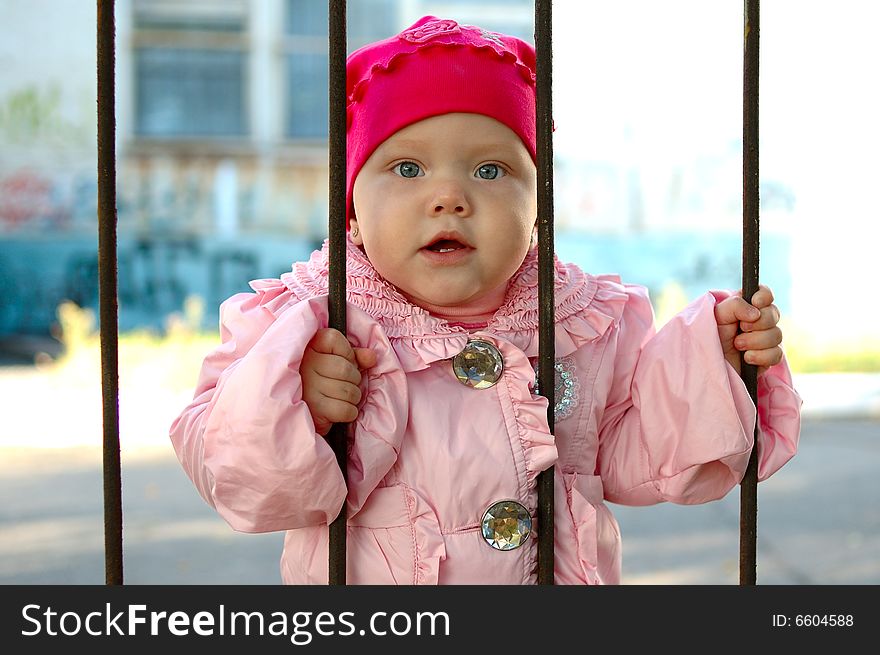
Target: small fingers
[(335, 368), (330, 402), (335, 410), (763, 358), (763, 297), (762, 340), (769, 318), (332, 342), (733, 310), (365, 357), (761, 348), (344, 391), (330, 378)]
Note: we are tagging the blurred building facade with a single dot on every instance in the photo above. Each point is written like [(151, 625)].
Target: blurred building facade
[(221, 144), (222, 154)]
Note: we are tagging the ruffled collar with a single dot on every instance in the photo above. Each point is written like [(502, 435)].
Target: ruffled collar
[(599, 299), (586, 305)]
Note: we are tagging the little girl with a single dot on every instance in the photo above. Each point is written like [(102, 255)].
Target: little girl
[(447, 433)]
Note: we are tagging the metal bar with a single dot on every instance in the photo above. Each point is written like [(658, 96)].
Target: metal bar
[(546, 271), (336, 299), (748, 515), (107, 281)]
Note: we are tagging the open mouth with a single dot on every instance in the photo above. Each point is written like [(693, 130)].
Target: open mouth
[(448, 241), (445, 245)]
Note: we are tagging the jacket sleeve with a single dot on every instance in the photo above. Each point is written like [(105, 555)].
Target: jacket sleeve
[(679, 424), (248, 441)]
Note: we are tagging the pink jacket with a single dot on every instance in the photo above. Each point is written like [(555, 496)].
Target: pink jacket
[(641, 418)]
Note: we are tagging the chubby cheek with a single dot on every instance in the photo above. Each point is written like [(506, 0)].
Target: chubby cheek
[(519, 235), (384, 257), (509, 249)]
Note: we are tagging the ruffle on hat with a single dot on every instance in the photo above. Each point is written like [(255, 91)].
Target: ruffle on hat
[(430, 31)]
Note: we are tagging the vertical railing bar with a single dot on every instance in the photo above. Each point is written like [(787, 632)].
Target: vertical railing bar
[(748, 536), (337, 231), (107, 282), (546, 271)]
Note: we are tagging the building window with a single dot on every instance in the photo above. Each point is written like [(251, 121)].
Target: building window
[(305, 39), (190, 63)]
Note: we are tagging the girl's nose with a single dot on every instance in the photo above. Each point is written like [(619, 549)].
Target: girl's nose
[(449, 198)]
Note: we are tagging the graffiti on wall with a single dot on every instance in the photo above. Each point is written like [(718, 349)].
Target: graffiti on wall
[(24, 196), (30, 200)]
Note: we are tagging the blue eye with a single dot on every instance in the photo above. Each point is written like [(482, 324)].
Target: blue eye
[(407, 169), (489, 171)]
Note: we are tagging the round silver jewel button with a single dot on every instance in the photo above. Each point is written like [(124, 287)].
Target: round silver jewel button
[(478, 365), (506, 525)]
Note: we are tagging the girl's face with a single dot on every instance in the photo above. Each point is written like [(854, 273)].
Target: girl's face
[(446, 208)]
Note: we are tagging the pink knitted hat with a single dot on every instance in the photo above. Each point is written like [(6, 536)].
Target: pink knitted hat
[(436, 67)]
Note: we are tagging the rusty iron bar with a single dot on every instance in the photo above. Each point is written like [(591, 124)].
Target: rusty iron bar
[(748, 514), (337, 229), (107, 282), (546, 271)]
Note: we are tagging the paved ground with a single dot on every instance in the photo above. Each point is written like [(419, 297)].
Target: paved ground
[(818, 522)]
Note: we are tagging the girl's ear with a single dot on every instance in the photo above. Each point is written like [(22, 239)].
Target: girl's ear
[(354, 232)]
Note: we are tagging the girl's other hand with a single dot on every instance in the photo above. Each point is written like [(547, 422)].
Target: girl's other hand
[(760, 336), (331, 372)]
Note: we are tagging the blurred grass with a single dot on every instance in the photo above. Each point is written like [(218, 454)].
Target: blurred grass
[(805, 352), (170, 359), (173, 358)]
